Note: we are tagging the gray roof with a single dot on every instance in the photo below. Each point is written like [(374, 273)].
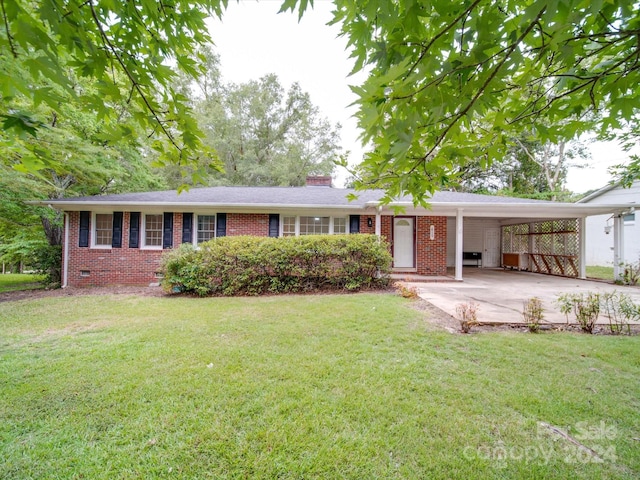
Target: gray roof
[(281, 199), (278, 196)]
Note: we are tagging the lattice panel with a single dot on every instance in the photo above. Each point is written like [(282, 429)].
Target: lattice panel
[(553, 245), (515, 238)]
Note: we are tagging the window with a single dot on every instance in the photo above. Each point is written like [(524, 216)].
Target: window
[(288, 226), (629, 218), (152, 230), (103, 234), (306, 225), (206, 228), (314, 225)]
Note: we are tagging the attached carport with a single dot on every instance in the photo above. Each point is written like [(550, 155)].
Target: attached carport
[(539, 236)]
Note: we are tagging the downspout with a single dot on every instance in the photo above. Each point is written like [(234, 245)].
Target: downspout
[(65, 258)]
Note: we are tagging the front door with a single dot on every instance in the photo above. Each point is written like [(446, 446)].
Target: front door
[(403, 243), (491, 255)]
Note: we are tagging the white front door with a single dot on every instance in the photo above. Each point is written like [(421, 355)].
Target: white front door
[(491, 255), (403, 242)]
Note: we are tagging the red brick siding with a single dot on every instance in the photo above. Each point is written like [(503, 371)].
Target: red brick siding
[(136, 266), (256, 224), (385, 227), (113, 266), (431, 255), (363, 224)]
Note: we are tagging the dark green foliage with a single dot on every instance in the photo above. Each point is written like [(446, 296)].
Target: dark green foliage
[(48, 262), (259, 265)]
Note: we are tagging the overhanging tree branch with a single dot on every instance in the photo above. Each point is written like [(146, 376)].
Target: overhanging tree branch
[(108, 44)]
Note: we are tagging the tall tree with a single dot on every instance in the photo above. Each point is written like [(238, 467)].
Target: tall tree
[(268, 137), (262, 134), (528, 169)]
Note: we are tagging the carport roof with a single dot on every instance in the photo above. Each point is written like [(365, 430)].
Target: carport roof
[(258, 199)]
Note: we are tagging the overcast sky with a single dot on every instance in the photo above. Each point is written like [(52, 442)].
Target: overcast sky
[(253, 40)]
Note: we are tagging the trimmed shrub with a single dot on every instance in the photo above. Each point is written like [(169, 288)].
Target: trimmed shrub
[(257, 265)]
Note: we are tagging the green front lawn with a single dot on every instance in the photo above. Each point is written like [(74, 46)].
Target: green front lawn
[(20, 281), (332, 386)]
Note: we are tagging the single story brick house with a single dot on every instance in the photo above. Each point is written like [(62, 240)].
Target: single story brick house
[(119, 239)]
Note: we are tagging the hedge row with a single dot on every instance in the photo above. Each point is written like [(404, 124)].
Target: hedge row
[(257, 265)]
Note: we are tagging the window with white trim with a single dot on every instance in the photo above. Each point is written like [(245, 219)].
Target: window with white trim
[(312, 225), (152, 225), (103, 230), (288, 226), (339, 225), (206, 228)]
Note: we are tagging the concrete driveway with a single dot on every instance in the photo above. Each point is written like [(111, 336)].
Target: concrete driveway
[(501, 293)]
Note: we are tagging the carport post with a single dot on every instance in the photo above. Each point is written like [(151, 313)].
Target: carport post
[(582, 245), (459, 237), (618, 247)]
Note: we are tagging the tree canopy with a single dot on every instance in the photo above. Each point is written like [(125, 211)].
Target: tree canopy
[(266, 136), (130, 51), (451, 81), (448, 81), (263, 135)]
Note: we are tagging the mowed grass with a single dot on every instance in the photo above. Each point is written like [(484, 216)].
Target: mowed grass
[(20, 281), (602, 273), (334, 386)]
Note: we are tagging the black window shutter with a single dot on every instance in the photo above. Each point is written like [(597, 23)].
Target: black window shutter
[(116, 238), (134, 229), (221, 225), (187, 228), (274, 224), (83, 240), (354, 223), (167, 232)]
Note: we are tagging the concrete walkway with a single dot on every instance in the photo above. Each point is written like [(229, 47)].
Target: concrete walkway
[(502, 293)]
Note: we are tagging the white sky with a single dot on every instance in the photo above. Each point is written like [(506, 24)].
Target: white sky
[(253, 40)]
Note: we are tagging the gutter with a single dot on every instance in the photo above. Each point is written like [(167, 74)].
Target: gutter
[(61, 205)]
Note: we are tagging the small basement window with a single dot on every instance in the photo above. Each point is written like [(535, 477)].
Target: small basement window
[(85, 273)]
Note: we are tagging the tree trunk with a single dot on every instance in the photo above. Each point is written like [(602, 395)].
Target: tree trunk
[(54, 231)]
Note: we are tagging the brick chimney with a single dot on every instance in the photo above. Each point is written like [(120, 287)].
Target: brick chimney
[(318, 180)]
